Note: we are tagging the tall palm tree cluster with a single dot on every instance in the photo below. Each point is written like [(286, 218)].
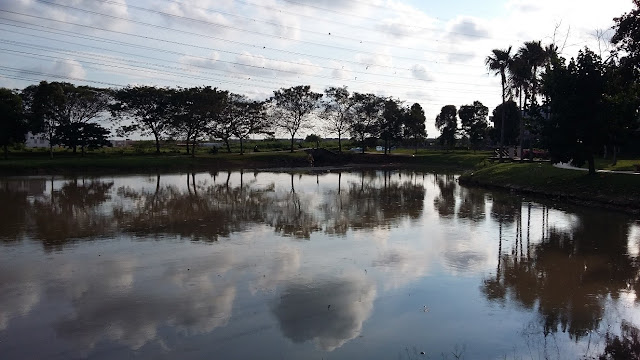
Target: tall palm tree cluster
[(520, 77)]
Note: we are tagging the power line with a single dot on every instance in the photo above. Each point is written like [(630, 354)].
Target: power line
[(197, 46), (333, 35), (394, 76), (244, 30), (163, 72)]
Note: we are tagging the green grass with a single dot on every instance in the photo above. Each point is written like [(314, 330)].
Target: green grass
[(142, 158), (544, 178)]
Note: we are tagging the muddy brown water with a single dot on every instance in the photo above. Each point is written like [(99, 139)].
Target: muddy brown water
[(338, 265)]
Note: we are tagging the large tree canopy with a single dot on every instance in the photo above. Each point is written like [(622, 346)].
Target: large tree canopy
[(13, 126), (148, 107), (577, 127), (447, 123), (473, 119), (292, 108)]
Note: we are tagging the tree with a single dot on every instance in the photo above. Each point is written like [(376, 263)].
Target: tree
[(43, 106), (337, 111), (498, 62), (532, 56), (79, 107), (223, 128), (391, 122), (292, 107), (196, 109), (577, 128), (447, 123), (414, 125), (627, 38), (314, 139), (13, 126), (473, 120), (367, 110), (511, 115), (250, 118), (148, 107)]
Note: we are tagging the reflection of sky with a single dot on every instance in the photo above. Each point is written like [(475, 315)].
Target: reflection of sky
[(407, 283)]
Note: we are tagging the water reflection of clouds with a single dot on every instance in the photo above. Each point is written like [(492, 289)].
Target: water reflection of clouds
[(330, 313), (131, 297)]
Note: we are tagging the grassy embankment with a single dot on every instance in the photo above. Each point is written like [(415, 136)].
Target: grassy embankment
[(142, 159), (608, 189)]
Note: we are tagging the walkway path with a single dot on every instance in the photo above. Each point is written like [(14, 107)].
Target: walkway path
[(571, 167)]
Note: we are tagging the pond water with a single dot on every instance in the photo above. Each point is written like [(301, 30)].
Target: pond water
[(362, 264)]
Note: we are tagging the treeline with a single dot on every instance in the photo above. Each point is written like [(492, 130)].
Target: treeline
[(71, 116), (578, 108)]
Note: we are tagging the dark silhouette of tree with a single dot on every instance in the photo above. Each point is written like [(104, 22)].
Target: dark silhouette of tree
[(13, 126), (87, 136), (368, 110), (150, 108), (195, 111), (414, 125), (43, 105), (531, 57), (473, 120), (512, 119), (292, 108), (498, 62), (250, 119), (337, 111), (627, 38), (313, 138), (391, 122), (447, 123), (62, 112), (577, 128)]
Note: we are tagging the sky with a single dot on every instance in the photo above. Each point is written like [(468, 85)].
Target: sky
[(430, 52)]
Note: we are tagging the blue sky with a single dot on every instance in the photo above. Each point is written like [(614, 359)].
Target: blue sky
[(430, 52)]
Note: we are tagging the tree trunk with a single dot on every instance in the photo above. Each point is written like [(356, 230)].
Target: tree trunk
[(292, 142), (504, 117), (226, 142), (74, 147), (193, 148), (241, 147), (6, 151), (615, 155), (592, 164), (50, 148), (416, 150), (157, 143), (187, 146), (522, 129), (339, 142)]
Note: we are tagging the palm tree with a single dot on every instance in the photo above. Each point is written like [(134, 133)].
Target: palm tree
[(498, 63), (519, 81), (535, 56)]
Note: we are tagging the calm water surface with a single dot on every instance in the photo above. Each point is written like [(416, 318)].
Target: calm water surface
[(375, 265)]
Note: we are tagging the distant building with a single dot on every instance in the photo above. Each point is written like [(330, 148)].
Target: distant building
[(36, 141), (121, 143)]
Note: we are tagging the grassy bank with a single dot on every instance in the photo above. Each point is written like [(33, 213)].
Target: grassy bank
[(112, 162), (606, 189)]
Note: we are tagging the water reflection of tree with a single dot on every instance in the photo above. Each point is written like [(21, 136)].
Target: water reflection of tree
[(202, 212), (568, 276), (366, 205), (445, 203), (70, 212), (15, 205)]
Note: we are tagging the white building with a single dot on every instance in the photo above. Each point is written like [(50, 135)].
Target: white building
[(36, 141)]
